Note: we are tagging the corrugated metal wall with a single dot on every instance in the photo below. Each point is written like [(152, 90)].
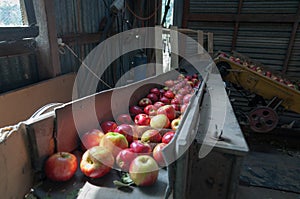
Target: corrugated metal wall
[(264, 42), (17, 71), (78, 16)]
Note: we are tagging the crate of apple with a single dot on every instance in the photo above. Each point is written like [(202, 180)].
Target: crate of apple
[(134, 142)]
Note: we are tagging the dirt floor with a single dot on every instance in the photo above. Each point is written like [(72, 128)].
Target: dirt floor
[(272, 167)]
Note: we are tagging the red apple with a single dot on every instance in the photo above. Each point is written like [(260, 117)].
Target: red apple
[(151, 135), (61, 166), (186, 99), (175, 101), (179, 97), (153, 97), (158, 104), (150, 110), (143, 170), (96, 162), (135, 110), (195, 75), (142, 119), (145, 102), (114, 142), (169, 83), (167, 137), (138, 146), (108, 126), (162, 92), (195, 81), (127, 131), (183, 108), (124, 158), (157, 154), (155, 91), (91, 138), (165, 100), (169, 94), (180, 77), (168, 110), (183, 91), (124, 119), (176, 107), (175, 123), (160, 121)]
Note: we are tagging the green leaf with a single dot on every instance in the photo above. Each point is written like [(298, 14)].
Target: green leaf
[(126, 179)]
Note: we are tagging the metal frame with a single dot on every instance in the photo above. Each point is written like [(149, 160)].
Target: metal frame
[(19, 33)]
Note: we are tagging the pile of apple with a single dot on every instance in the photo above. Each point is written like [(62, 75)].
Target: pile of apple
[(261, 71), (132, 143)]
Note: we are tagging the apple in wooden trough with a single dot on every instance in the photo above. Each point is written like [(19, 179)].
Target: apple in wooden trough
[(91, 138), (108, 126), (124, 119), (142, 119), (160, 121), (150, 110), (153, 97), (157, 154), (96, 162), (175, 124), (114, 142), (135, 110), (143, 170), (145, 102), (124, 158), (127, 131), (138, 146), (167, 137), (151, 135), (168, 110)]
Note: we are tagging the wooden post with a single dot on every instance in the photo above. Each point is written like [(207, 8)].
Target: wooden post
[(174, 47), (48, 56), (200, 41), (210, 46), (158, 52)]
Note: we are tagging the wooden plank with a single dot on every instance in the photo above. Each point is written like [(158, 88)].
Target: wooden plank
[(158, 51), (174, 47), (210, 46), (21, 104), (17, 48), (18, 33), (200, 41), (48, 56), (81, 38), (16, 175), (263, 18), (40, 133), (236, 26), (186, 14), (291, 42)]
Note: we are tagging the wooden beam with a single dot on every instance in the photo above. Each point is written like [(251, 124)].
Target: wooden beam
[(236, 26), (291, 42), (17, 48), (267, 18), (48, 56), (185, 16), (18, 33), (81, 38)]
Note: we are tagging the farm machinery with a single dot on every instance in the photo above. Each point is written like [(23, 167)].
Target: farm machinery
[(270, 92)]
